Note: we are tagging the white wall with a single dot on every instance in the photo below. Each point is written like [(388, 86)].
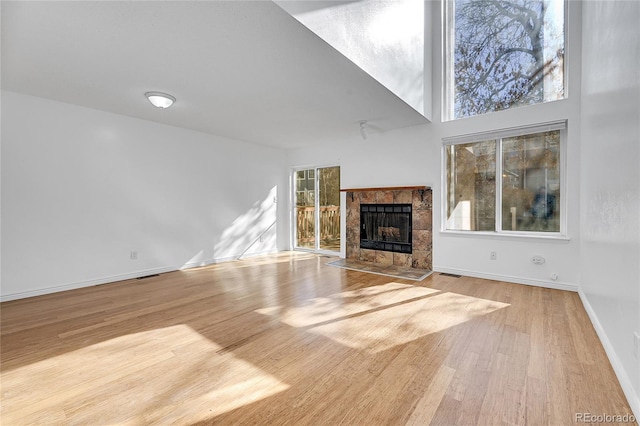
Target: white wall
[(610, 174), (384, 38), (82, 188), (412, 156)]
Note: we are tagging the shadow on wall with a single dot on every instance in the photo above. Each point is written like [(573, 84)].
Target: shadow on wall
[(252, 232)]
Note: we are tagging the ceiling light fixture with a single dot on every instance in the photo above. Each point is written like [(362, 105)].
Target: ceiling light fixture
[(363, 129), (160, 100)]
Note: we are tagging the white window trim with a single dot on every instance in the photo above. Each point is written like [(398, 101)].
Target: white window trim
[(448, 39), (560, 125)]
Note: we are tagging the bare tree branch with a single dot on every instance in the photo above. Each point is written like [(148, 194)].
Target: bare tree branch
[(499, 54)]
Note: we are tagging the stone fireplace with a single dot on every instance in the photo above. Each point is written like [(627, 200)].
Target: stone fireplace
[(390, 226)]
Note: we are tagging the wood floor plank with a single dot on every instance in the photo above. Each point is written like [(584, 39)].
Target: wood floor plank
[(287, 340)]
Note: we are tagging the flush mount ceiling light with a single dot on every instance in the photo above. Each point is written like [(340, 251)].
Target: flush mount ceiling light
[(160, 100)]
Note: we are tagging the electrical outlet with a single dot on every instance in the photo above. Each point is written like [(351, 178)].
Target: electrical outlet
[(538, 260), (636, 344), (133, 255), (493, 255)]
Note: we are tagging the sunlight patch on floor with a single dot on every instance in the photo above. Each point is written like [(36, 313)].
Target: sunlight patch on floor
[(347, 303), (166, 375), (378, 318)]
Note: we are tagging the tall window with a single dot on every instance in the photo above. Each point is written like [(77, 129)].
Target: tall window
[(509, 181), (503, 54)]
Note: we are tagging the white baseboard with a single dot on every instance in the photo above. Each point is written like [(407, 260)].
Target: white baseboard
[(511, 279), (207, 262), (122, 277), (625, 382), (87, 283)]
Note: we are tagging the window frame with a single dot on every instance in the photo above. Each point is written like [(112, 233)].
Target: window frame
[(447, 95), (498, 135), (311, 172)]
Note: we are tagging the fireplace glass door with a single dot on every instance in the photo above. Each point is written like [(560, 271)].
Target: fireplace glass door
[(386, 227), (317, 211)]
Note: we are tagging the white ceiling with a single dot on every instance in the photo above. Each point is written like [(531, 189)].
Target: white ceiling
[(241, 69)]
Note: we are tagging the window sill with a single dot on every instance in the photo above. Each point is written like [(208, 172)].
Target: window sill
[(508, 235)]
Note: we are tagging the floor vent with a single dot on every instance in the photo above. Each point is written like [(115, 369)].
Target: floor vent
[(450, 275), (148, 276)]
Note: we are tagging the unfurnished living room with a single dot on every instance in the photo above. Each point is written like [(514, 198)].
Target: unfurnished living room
[(374, 212)]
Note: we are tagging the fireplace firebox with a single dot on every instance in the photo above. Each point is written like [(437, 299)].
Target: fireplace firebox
[(386, 227)]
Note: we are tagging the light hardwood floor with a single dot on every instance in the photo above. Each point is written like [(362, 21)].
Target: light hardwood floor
[(286, 339)]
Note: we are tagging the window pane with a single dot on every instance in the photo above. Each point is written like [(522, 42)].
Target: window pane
[(471, 183), (329, 193), (506, 54), (531, 183), (305, 210)]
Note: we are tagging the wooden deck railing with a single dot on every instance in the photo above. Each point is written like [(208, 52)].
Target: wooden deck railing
[(329, 223)]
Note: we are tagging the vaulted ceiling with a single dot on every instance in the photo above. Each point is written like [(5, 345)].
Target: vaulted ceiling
[(241, 69)]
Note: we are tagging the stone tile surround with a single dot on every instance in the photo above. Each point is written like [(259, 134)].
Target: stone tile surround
[(420, 197)]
